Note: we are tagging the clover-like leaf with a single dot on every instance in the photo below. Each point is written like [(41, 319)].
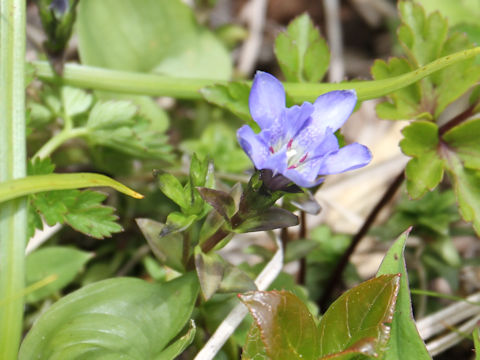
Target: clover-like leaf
[(425, 171), (466, 184), (287, 328), (405, 342), (358, 322), (464, 139), (233, 97), (301, 52)]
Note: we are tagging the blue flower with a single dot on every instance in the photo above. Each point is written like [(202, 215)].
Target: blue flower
[(299, 142)]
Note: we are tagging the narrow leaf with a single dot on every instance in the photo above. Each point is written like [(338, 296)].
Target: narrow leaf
[(405, 342), (175, 349), (38, 183), (270, 219)]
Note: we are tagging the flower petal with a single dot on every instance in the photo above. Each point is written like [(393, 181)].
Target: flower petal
[(349, 157), (328, 144), (306, 178), (267, 99), (253, 145), (297, 117), (333, 109)]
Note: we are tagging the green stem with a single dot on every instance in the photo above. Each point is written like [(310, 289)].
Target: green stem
[(13, 214), (56, 141), (183, 88)]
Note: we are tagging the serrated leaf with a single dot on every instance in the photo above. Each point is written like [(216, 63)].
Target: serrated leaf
[(113, 319), (89, 216), (421, 36), (466, 184), (167, 249), (404, 102), (287, 328), (425, 171), (82, 210), (144, 139), (359, 321), (110, 115), (233, 97), (254, 347), (457, 79), (405, 341), (39, 166), (269, 219), (464, 138), (64, 263), (75, 101), (457, 11), (301, 52)]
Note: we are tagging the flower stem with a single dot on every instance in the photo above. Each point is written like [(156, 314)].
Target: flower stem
[(183, 88), (56, 141), (13, 214)]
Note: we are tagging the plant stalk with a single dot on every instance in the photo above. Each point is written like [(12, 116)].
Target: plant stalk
[(13, 214)]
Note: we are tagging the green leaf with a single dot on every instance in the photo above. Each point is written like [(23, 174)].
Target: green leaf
[(476, 342), (466, 184), (82, 210), (110, 115), (358, 322), (144, 139), (456, 80), (287, 328), (463, 139), (254, 347), (405, 342), (301, 52), (269, 219), (457, 12), (404, 103), (425, 171), (175, 349), (39, 183), (421, 36), (167, 249), (233, 97), (160, 35), (173, 189), (39, 166), (89, 216), (61, 262), (122, 318), (75, 101), (210, 268)]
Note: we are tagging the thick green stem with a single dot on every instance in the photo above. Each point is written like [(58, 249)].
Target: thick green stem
[(13, 219), (183, 88), (58, 140)]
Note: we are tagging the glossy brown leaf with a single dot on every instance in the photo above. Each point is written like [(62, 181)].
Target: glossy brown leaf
[(286, 326), (358, 322)]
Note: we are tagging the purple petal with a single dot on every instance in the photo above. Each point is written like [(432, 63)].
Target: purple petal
[(297, 117), (328, 144), (333, 109), (306, 176), (267, 99), (349, 157), (253, 145), (276, 162)]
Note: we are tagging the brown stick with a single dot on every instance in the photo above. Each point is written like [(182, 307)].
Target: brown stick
[(336, 275)]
